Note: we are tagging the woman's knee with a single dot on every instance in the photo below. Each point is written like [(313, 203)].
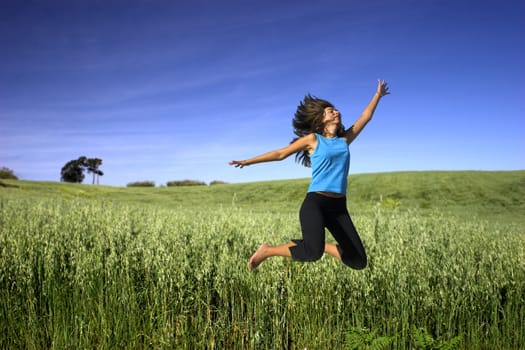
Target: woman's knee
[(316, 253)]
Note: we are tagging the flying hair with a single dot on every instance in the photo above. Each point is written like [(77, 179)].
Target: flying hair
[(308, 119)]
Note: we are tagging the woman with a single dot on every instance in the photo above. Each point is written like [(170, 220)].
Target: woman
[(322, 143)]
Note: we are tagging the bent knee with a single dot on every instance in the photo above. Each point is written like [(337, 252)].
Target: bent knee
[(315, 254)]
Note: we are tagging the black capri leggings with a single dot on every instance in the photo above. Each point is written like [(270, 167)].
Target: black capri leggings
[(318, 212)]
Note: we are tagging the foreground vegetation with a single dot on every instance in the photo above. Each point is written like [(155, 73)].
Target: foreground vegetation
[(95, 267)]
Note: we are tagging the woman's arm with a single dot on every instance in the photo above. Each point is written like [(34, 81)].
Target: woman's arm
[(304, 143), (354, 130)]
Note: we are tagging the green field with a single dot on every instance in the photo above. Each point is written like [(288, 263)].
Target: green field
[(99, 267)]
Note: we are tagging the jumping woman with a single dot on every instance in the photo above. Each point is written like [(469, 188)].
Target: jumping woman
[(322, 144)]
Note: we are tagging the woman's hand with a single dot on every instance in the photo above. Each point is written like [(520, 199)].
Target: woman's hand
[(382, 88), (238, 163)]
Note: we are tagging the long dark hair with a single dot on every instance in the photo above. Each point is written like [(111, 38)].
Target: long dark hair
[(308, 119)]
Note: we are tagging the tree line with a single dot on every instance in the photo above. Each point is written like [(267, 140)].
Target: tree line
[(72, 171), (75, 171)]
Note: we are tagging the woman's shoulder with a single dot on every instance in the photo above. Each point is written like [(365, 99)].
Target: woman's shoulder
[(309, 142), (313, 140), (308, 138), (312, 136)]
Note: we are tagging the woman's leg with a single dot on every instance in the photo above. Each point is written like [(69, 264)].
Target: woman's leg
[(309, 248), (333, 250), (312, 245), (266, 251), (350, 248)]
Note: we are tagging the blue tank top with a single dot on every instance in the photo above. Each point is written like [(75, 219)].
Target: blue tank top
[(330, 164)]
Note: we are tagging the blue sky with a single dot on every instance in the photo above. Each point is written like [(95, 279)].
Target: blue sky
[(172, 90)]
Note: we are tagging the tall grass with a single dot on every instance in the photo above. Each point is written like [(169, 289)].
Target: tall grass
[(97, 274)]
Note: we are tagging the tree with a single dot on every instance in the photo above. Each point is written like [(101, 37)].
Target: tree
[(92, 166), (8, 174), (73, 171)]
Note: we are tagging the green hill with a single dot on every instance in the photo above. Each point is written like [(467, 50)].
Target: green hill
[(492, 195)]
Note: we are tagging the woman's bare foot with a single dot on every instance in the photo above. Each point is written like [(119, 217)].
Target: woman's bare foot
[(258, 257)]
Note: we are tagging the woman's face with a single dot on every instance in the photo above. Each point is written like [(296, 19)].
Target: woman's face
[(331, 116)]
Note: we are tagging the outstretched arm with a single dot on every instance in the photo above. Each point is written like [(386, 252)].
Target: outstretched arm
[(368, 112), (304, 143)]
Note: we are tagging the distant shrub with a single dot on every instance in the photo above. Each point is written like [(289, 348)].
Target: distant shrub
[(141, 184), (185, 183), (216, 182), (8, 185), (6, 173)]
